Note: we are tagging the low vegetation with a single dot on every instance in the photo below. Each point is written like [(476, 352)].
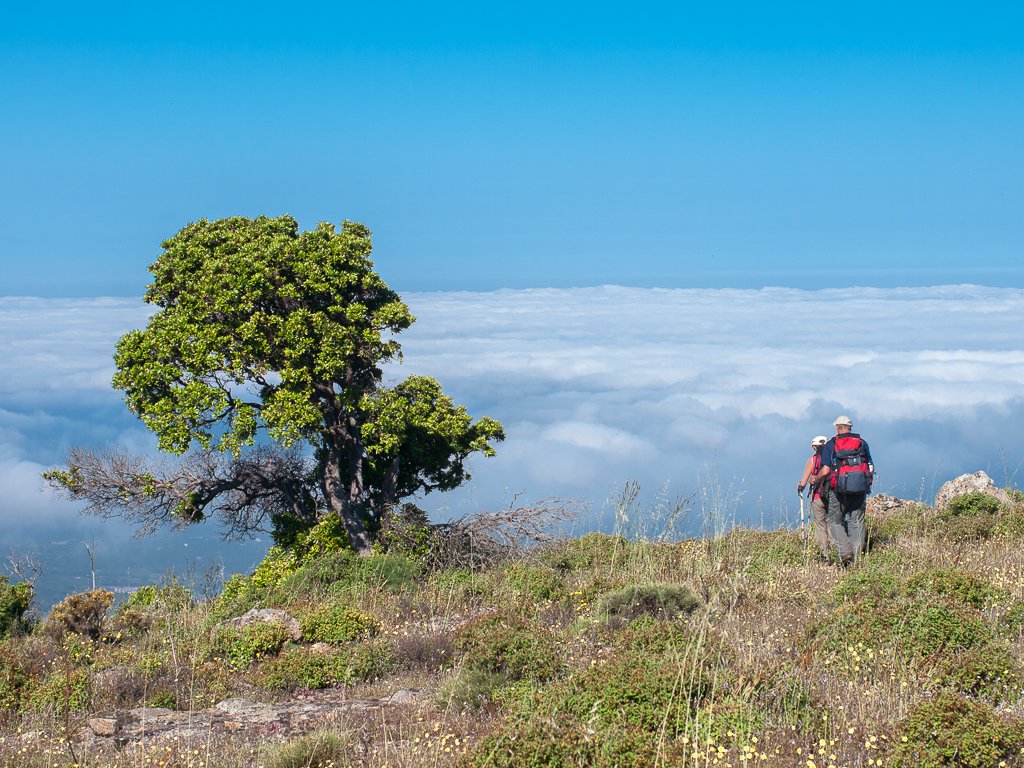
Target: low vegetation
[(741, 650)]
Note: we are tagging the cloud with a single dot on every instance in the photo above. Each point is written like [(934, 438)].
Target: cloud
[(595, 385)]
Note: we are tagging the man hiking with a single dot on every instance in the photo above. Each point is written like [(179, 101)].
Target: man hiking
[(846, 462), (819, 495)]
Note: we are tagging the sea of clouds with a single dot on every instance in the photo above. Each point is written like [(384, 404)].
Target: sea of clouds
[(597, 385)]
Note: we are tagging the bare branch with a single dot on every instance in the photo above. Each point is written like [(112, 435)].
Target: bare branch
[(27, 567), (149, 493), (482, 538)]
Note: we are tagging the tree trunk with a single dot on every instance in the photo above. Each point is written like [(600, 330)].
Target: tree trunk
[(340, 502)]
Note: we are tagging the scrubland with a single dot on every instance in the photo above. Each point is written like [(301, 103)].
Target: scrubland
[(744, 648)]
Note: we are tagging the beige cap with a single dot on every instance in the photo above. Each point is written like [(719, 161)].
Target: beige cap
[(842, 421), (819, 440)]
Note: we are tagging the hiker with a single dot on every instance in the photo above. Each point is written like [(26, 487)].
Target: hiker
[(846, 462), (819, 495)]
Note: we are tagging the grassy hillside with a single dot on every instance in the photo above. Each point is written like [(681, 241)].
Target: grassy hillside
[(740, 650)]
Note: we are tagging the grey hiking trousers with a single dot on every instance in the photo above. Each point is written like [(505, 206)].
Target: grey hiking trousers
[(847, 525), (819, 512)]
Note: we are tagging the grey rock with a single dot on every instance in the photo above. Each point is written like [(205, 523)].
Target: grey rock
[(403, 697), (979, 482), (235, 706), (266, 616), (103, 726)]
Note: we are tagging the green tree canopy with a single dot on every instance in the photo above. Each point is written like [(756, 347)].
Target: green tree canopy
[(263, 329)]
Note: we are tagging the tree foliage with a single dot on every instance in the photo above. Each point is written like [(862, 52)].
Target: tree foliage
[(266, 330)]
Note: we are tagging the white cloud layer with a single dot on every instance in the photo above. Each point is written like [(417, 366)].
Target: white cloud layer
[(595, 385)]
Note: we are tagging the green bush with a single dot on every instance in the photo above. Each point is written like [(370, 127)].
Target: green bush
[(15, 600), (919, 627), (731, 721), (701, 646), (320, 749), (172, 597), (337, 624), (298, 667), (1011, 621), (963, 586), (954, 731), (666, 601), (243, 646), (971, 504), (471, 689), (405, 531), (539, 582), (261, 588), (509, 645), (632, 691), (62, 691), (81, 614), (588, 551), (16, 682), (563, 740), (991, 671)]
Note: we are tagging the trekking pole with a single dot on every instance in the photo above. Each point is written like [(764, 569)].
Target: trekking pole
[(803, 525)]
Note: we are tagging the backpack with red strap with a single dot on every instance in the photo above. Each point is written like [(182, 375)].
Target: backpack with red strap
[(850, 472)]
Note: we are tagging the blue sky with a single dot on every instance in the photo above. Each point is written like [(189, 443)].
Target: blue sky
[(518, 146)]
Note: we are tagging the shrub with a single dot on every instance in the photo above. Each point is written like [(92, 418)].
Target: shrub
[(424, 651), (971, 504), (1011, 621), (665, 601), (646, 637), (732, 720), (953, 731), (990, 670), (337, 624), (62, 691), (588, 551), (919, 627), (471, 689), (243, 646), (15, 600), (172, 597), (963, 586), (563, 740), (875, 580), (320, 749), (298, 667), (405, 531), (16, 682), (539, 582), (632, 691), (508, 645), (82, 614), (261, 588)]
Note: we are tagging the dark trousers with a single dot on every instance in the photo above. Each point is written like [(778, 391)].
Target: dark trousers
[(847, 524)]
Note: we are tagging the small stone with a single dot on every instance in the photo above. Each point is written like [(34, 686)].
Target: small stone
[(103, 726), (403, 697)]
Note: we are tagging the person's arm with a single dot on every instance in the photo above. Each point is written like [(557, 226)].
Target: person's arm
[(806, 474)]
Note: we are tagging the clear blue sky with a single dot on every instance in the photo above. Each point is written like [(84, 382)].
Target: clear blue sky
[(522, 145)]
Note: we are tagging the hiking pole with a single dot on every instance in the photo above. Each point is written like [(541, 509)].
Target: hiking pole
[(803, 525)]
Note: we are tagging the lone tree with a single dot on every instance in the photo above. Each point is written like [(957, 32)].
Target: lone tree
[(266, 330)]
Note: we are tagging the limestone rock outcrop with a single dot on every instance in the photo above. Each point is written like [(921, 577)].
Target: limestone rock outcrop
[(266, 616), (979, 482)]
